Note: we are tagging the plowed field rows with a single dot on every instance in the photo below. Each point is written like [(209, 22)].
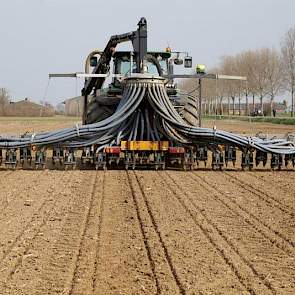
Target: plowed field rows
[(147, 232)]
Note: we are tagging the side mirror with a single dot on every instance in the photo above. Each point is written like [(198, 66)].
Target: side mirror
[(188, 62), (93, 61), (178, 61)]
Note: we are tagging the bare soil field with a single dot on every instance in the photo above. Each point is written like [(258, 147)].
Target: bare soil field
[(21, 125), (16, 125), (146, 232)]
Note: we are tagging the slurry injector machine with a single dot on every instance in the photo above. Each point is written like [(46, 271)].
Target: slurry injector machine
[(139, 121)]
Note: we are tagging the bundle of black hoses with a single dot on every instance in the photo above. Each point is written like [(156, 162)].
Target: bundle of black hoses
[(145, 112)]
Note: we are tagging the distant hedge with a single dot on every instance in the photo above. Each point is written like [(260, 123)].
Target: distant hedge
[(277, 120)]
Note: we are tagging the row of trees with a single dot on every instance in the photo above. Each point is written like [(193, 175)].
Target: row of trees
[(270, 72)]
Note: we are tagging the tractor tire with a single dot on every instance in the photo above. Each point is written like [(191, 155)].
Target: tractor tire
[(190, 111), (100, 108)]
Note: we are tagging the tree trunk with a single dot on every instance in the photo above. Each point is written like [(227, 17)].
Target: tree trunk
[(247, 105), (292, 99), (239, 105), (209, 108), (234, 105), (253, 104), (271, 106), (228, 106), (261, 105), (221, 106)]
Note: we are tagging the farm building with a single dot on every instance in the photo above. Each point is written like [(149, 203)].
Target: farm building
[(74, 106), (27, 108)]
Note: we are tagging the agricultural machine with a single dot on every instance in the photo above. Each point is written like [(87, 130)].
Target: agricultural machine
[(139, 120)]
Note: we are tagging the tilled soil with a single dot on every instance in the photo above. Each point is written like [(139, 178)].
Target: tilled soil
[(249, 128), (22, 125), (147, 232), (17, 126)]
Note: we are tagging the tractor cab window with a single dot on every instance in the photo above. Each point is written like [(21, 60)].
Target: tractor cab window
[(152, 69), (124, 67), (164, 66)]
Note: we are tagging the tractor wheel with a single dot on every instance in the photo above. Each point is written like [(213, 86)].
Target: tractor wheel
[(100, 108), (190, 111)]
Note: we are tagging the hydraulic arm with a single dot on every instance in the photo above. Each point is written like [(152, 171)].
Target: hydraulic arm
[(139, 42)]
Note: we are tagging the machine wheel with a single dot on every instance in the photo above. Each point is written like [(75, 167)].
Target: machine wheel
[(100, 108)]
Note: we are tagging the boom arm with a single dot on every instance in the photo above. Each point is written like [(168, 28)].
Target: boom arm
[(139, 42)]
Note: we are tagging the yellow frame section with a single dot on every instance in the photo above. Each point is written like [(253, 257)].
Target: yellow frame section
[(144, 145)]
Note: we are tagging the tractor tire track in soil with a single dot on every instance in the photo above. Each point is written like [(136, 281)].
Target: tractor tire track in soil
[(83, 277), (191, 253), (144, 235), (124, 263), (75, 270), (58, 268), (159, 236)]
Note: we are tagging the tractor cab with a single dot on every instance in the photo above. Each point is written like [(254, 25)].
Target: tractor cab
[(122, 63), (156, 63)]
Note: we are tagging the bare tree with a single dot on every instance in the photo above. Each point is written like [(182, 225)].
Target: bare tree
[(260, 74), (288, 58), (274, 78), (221, 94), (229, 66), (4, 99), (246, 67), (209, 95)]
